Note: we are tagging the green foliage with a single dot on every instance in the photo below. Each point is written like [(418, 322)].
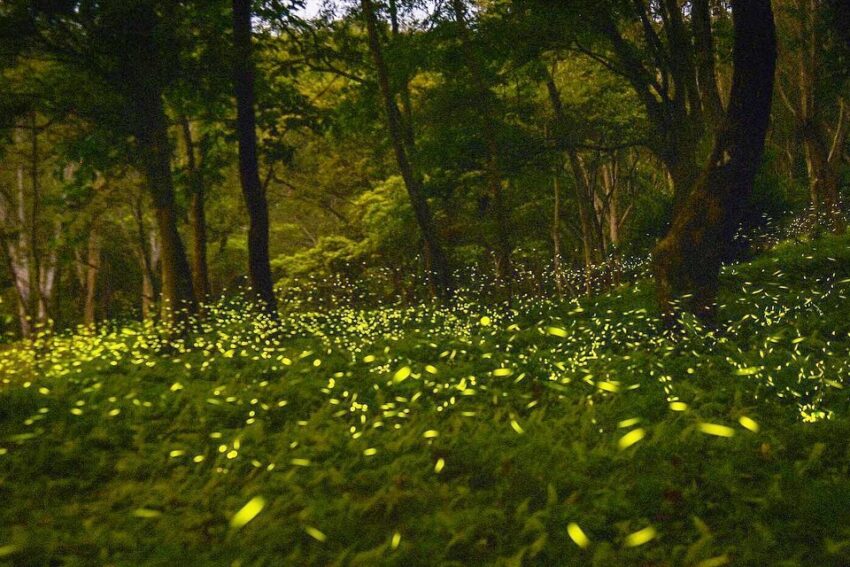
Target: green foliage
[(129, 447)]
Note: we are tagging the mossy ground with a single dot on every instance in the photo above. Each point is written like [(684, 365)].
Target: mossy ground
[(127, 448)]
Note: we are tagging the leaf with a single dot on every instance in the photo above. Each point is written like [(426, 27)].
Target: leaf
[(146, 513), (714, 561), (7, 550), (315, 533)]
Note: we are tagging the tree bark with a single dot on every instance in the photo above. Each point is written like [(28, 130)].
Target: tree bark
[(178, 299), (556, 232), (712, 106), (259, 265), (823, 180), (197, 218), (440, 274), (687, 261), (492, 172), (92, 268)]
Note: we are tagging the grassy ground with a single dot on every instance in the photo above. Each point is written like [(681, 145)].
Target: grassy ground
[(552, 433)]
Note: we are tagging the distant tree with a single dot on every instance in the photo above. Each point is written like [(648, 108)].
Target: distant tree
[(440, 273)]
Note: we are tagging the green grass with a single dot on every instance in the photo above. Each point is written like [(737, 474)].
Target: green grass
[(125, 448)]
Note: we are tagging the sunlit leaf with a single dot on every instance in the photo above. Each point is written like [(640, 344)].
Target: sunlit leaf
[(315, 533)]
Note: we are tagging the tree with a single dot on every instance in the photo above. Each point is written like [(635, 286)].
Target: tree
[(440, 273), (259, 267), (813, 96), (127, 55), (485, 97), (687, 261)]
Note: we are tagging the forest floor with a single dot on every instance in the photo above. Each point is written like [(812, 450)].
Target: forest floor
[(556, 433)]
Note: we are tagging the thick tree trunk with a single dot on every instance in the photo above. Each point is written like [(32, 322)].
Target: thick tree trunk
[(440, 274), (197, 218), (178, 299), (259, 265), (687, 261)]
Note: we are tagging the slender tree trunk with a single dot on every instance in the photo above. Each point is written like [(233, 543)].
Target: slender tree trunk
[(197, 218), (687, 261), (147, 246), (823, 181), (712, 106), (493, 175), (259, 265), (580, 181), (13, 241), (584, 203), (92, 267), (440, 273), (556, 232), (34, 224)]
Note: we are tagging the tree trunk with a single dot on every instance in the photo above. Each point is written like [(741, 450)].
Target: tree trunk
[(584, 202), (581, 182), (197, 218), (493, 175), (823, 181), (712, 106), (147, 248), (440, 274), (92, 267), (178, 299), (259, 265), (687, 261), (556, 233)]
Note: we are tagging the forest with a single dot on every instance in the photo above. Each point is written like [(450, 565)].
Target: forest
[(424, 282)]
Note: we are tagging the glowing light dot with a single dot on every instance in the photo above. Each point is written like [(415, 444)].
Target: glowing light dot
[(716, 430), (577, 535), (248, 512), (640, 537), (631, 438), (749, 423)]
